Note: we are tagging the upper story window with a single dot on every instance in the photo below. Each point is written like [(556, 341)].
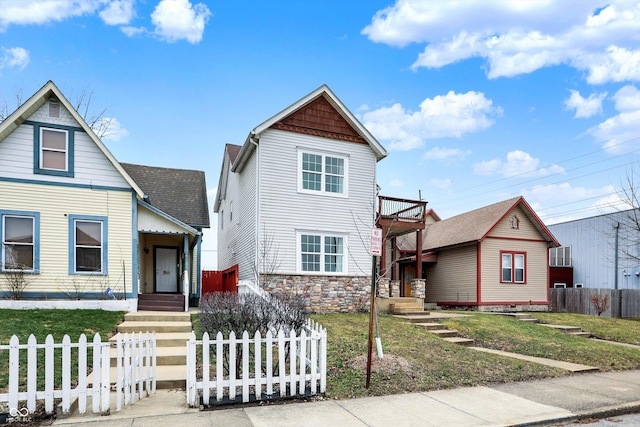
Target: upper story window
[(560, 257), (53, 149), (321, 253), (513, 267), (19, 233), (87, 245), (322, 173)]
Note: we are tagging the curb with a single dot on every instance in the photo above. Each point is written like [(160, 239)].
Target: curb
[(610, 411)]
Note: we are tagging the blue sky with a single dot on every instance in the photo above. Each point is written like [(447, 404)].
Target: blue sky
[(476, 101)]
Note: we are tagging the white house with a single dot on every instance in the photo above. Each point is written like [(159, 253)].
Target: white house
[(296, 204)]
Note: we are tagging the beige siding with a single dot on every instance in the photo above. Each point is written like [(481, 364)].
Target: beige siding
[(526, 229), (453, 277), (55, 204), (535, 288)]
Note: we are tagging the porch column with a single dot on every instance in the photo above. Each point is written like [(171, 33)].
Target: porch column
[(186, 287), (383, 254), (418, 255), (418, 288), (394, 255)]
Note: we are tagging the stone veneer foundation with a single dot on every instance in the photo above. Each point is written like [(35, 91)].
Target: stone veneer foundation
[(325, 294)]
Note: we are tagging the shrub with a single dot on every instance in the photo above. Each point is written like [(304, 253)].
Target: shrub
[(226, 311), (600, 303)]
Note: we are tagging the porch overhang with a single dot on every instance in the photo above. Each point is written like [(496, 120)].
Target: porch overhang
[(153, 220)]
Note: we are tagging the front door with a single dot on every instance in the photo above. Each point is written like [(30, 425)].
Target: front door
[(167, 265), (409, 275)]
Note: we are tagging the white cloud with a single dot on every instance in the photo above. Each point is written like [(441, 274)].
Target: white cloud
[(113, 130), (118, 12), (446, 155), (395, 183), (24, 12), (620, 133), (133, 31), (516, 37), (17, 57), (450, 115), (518, 163), (441, 183), (179, 19), (585, 107)]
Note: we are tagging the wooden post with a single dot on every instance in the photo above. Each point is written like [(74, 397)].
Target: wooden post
[(371, 314), (418, 274)]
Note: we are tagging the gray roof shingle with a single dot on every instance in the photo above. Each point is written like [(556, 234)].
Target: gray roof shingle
[(181, 193)]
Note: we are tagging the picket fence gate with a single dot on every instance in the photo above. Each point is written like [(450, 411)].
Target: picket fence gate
[(135, 368), (301, 364)]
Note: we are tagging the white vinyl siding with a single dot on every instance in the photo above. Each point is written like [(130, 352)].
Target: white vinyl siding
[(91, 166), (284, 209), (55, 204)]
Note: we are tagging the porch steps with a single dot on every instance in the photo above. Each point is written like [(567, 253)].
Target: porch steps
[(161, 302), (172, 332), (523, 317), (407, 308)]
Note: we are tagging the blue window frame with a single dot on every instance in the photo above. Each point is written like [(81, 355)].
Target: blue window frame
[(53, 149), (88, 244), (20, 239)]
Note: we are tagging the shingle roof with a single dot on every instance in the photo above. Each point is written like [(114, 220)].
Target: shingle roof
[(233, 151), (468, 227), (181, 193)]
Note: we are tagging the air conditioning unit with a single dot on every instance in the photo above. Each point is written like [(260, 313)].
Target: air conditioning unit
[(578, 285), (559, 285)]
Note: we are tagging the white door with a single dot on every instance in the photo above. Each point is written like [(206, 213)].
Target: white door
[(167, 270)]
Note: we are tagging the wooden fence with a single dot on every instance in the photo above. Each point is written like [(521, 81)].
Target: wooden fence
[(622, 302), (261, 368), (135, 369)]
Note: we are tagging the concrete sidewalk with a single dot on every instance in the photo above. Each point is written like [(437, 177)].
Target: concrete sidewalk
[(546, 402)]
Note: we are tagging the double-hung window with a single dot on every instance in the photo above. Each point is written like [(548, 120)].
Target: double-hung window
[(53, 149), (87, 245), (321, 253), (513, 267), (322, 173), (19, 233)]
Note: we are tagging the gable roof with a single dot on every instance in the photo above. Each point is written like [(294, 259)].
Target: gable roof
[(473, 226), (352, 126), (230, 155), (180, 193), (37, 100)]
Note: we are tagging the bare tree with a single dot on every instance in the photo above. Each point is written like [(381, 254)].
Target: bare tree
[(269, 259), (96, 119)]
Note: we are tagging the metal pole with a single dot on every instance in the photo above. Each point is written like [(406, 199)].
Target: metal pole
[(371, 318)]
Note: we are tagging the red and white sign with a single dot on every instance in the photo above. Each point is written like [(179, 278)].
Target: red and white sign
[(376, 241)]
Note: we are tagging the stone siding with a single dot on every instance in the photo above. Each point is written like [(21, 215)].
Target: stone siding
[(325, 294)]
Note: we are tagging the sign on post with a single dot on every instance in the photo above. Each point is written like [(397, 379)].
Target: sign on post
[(376, 241)]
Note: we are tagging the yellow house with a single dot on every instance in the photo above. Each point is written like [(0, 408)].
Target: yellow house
[(83, 230)]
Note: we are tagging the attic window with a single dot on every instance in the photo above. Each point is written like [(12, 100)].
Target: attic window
[(54, 108), (515, 222)]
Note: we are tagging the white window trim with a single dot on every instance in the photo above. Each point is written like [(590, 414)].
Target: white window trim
[(65, 151), (322, 190), (566, 261), (322, 234)]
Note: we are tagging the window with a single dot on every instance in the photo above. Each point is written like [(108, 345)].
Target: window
[(513, 267), (88, 245), (560, 257), (19, 233), (53, 143), (322, 173), (53, 149), (322, 253)]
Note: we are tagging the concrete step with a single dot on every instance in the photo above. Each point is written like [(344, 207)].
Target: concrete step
[(164, 356), (582, 334), (167, 339), (158, 327), (157, 316), (460, 341), (167, 376), (563, 328), (532, 320), (444, 333), (430, 326), (415, 318)]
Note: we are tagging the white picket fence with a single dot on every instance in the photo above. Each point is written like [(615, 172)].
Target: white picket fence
[(300, 362), (135, 368)]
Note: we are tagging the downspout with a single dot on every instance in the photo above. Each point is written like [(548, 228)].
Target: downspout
[(256, 258)]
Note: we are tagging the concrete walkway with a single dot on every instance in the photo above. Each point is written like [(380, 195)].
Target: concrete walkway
[(546, 402)]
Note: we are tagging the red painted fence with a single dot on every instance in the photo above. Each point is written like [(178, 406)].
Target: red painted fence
[(220, 281)]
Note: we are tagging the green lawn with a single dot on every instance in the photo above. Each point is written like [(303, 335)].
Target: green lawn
[(58, 323), (508, 334)]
